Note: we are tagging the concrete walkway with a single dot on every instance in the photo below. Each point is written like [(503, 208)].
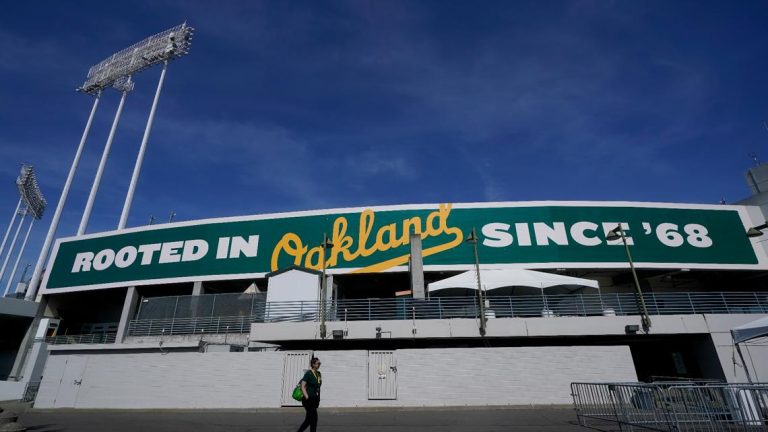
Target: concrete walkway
[(461, 419)]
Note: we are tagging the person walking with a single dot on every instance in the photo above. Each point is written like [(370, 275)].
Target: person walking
[(310, 386)]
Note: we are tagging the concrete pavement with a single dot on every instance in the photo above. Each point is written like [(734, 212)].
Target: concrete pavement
[(455, 419)]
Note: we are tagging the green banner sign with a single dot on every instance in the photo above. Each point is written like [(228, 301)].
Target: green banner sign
[(377, 239)]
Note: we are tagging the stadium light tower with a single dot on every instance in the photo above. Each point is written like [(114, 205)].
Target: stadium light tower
[(162, 48), (113, 72), (34, 205), (30, 193)]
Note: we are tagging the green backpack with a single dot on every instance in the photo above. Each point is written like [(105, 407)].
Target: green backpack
[(297, 393)]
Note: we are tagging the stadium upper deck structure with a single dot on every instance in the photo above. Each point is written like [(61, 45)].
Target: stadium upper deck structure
[(225, 312)]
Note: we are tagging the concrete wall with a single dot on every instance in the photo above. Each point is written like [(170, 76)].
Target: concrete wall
[(427, 377), (173, 380), (755, 355), (294, 285), (7, 357), (496, 327), (17, 307), (476, 376), (717, 325), (12, 390)]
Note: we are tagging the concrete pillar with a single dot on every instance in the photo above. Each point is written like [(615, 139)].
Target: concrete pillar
[(28, 341), (197, 288), (417, 267), (194, 304), (129, 309), (38, 355)]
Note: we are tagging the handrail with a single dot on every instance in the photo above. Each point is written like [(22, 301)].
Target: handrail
[(229, 317), (88, 338)]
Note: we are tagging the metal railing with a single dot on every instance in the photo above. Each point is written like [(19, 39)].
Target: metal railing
[(209, 305), (233, 313), (672, 406), (187, 326), (30, 392), (89, 338)]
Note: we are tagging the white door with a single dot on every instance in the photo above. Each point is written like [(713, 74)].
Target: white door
[(295, 365), (382, 375), (70, 383)]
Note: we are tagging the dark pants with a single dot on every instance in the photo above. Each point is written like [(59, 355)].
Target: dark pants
[(310, 420)]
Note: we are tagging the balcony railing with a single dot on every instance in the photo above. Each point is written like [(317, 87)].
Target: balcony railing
[(180, 315), (89, 338)]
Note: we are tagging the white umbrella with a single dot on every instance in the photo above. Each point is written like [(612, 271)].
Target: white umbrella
[(513, 281), (252, 289), (750, 330)]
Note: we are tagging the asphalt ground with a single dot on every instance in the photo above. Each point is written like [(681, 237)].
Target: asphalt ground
[(456, 419)]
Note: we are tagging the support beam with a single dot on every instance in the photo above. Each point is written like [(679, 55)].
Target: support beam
[(13, 245), (18, 258), (142, 150), (130, 304), (102, 164), (8, 231), (28, 341), (416, 266), (198, 289), (34, 283)]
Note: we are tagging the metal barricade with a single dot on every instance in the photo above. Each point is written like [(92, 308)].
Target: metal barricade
[(672, 406), (718, 407), (620, 404)]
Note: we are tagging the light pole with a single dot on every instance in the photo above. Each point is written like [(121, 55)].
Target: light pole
[(126, 85), (24, 214), (142, 150), (645, 320), (8, 231), (18, 258), (323, 285), (472, 239), (34, 283)]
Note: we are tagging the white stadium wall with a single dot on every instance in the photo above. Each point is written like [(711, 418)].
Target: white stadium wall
[(425, 377)]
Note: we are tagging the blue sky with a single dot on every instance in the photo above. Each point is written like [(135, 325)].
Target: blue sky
[(299, 105)]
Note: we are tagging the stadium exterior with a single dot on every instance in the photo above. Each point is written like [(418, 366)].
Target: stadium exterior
[(224, 313)]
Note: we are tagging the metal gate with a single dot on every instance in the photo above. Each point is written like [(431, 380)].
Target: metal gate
[(295, 364), (71, 379), (382, 375)]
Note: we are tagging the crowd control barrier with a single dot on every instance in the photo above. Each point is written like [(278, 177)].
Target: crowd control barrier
[(672, 406)]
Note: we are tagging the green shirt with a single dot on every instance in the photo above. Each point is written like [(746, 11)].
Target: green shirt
[(313, 383)]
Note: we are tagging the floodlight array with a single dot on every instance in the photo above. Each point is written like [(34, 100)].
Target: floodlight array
[(123, 84), (164, 46), (30, 191)]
